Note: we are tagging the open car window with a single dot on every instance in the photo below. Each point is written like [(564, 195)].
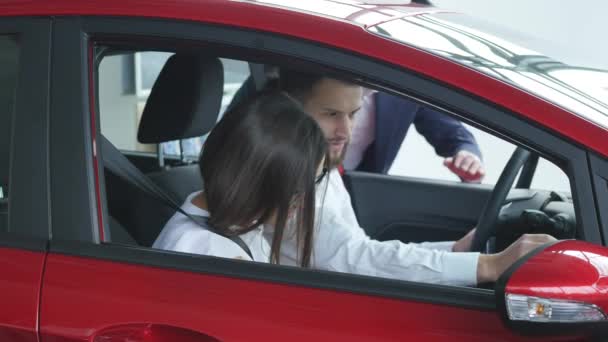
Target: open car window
[(408, 209)]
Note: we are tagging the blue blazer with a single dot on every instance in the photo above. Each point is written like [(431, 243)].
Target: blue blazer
[(395, 115)]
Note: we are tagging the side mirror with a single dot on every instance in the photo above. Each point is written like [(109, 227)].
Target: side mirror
[(559, 289)]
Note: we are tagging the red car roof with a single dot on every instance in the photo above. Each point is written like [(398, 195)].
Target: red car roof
[(347, 21)]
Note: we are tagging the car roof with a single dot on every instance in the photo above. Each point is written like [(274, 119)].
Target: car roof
[(354, 26)]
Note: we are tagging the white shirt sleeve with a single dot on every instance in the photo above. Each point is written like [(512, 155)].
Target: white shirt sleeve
[(439, 245), (342, 245)]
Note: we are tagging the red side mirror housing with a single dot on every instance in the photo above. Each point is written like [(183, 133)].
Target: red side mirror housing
[(559, 289)]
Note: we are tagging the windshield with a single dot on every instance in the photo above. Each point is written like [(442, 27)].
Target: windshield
[(583, 91)]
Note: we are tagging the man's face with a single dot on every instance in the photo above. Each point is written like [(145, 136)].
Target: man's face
[(332, 104)]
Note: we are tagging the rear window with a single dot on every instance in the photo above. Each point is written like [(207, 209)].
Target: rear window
[(9, 52)]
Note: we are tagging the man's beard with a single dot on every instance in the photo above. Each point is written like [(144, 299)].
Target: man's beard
[(338, 160)]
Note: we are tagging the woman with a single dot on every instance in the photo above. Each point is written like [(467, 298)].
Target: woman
[(260, 166)]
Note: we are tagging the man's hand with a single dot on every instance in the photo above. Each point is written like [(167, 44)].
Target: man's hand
[(467, 166), (491, 266)]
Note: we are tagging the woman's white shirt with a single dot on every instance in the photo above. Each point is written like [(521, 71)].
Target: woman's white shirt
[(181, 234), (340, 244)]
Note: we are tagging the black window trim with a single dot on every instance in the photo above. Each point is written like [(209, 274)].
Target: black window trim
[(73, 201), (29, 215), (410, 84), (599, 174)]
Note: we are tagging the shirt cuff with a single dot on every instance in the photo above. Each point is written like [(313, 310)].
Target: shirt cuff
[(460, 268)]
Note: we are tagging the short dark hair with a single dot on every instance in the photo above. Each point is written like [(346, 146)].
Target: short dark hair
[(299, 84), (261, 154)]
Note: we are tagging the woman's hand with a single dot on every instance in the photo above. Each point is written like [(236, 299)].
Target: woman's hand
[(491, 266), (464, 244)]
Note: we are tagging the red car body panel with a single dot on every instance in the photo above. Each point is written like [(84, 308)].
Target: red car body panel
[(239, 310), (579, 271), (20, 294), (86, 298), (315, 27)]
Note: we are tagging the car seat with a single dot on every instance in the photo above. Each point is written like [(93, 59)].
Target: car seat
[(184, 102)]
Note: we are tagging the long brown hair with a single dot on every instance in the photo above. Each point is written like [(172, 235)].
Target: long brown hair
[(260, 156)]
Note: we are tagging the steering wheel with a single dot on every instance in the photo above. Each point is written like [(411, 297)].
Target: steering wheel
[(486, 226)]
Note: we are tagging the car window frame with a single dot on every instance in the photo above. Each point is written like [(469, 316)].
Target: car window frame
[(29, 183), (75, 101), (599, 171)]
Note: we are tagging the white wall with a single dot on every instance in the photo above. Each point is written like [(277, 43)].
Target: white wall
[(571, 32), (117, 109)]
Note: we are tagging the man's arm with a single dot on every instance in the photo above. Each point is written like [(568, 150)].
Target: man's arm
[(452, 140), (446, 134)]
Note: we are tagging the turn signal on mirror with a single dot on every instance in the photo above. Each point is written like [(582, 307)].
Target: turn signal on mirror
[(536, 309)]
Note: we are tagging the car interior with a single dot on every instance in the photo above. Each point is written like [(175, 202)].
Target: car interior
[(196, 75), (185, 101)]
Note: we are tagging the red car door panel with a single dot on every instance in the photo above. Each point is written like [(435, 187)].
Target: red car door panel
[(20, 293), (85, 299)]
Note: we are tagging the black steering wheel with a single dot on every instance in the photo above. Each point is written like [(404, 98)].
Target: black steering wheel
[(486, 226)]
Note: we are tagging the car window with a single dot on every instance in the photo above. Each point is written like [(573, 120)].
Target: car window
[(383, 208), (9, 52), (125, 81)]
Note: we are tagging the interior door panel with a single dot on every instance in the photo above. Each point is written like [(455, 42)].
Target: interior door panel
[(414, 209)]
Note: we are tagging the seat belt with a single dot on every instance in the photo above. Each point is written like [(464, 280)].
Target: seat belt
[(121, 167)]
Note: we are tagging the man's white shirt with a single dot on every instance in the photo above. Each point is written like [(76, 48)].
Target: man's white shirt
[(364, 131)]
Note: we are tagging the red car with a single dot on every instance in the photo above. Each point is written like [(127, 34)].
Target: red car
[(75, 235)]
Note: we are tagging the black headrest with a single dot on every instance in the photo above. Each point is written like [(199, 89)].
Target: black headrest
[(185, 100)]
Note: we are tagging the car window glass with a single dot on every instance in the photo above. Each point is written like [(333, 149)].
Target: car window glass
[(8, 77)]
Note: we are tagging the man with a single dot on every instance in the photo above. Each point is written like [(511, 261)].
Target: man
[(342, 245), (381, 126)]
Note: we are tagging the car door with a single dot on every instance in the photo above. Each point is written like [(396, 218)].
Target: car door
[(98, 290), (24, 206)]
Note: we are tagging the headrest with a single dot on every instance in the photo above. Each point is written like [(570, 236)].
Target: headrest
[(185, 100)]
